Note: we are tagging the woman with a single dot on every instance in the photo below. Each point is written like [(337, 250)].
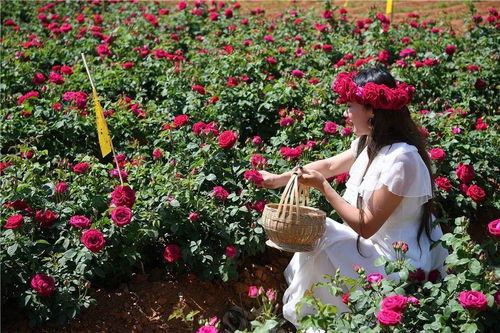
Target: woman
[(388, 196)]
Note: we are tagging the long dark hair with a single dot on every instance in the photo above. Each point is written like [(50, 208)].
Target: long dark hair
[(387, 128)]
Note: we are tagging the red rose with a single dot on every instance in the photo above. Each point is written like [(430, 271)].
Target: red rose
[(259, 206), (81, 167), (494, 228), (181, 120), (345, 298), (46, 218), (14, 222), (395, 303), (473, 300), (253, 176), (157, 153), (342, 178), (330, 127), (193, 217), (418, 275), (199, 89), (291, 153), (172, 253), (80, 222), (128, 65), (121, 216), (450, 49), (61, 187), (231, 252), (433, 276), (123, 196), (476, 193), (437, 154), (465, 172), (220, 193), (389, 317), (93, 240), (443, 183), (227, 139), (258, 161), (38, 78), (480, 84), (43, 284)]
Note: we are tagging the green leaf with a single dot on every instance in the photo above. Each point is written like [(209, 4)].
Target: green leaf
[(12, 249), (469, 328), (380, 261), (474, 266)]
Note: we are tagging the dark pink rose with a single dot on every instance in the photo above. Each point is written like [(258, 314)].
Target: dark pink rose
[(14, 222), (123, 196), (330, 127), (374, 277), (473, 300), (227, 139), (61, 187), (43, 284), (38, 78), (450, 49), (291, 153), (476, 193), (443, 183), (480, 84), (199, 89), (494, 228), (465, 173), (253, 291), (437, 154), (193, 217), (395, 303), (434, 275), (45, 218), (231, 252), (81, 167), (93, 240), (388, 317), (253, 176), (172, 253), (418, 275), (345, 298), (121, 216), (220, 193), (128, 65), (258, 161), (181, 120), (80, 222), (157, 153), (259, 206)]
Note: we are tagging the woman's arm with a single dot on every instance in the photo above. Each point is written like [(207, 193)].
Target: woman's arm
[(380, 206), (328, 167)]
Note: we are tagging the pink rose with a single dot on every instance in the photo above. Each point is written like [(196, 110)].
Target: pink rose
[(476, 193), (494, 228), (172, 253), (253, 291), (227, 139), (231, 252), (157, 153), (465, 172), (473, 300), (43, 284), (121, 216), (388, 317), (271, 294), (16, 221), (93, 240), (123, 196), (297, 73), (374, 277), (257, 140), (193, 217), (437, 154), (413, 300), (330, 127), (81, 167), (45, 218), (207, 329), (395, 303), (80, 222), (258, 161), (220, 193), (253, 176), (61, 187)]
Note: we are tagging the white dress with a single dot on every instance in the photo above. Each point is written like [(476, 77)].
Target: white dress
[(402, 170)]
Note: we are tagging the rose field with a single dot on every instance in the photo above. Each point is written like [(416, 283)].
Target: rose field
[(198, 96)]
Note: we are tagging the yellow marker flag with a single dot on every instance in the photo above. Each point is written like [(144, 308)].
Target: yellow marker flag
[(102, 126), (388, 7), (346, 3)]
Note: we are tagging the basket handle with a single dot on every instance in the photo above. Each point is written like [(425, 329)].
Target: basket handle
[(294, 195)]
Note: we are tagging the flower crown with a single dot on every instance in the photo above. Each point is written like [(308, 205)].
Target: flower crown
[(378, 96)]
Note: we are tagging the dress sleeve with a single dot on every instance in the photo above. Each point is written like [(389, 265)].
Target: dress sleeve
[(354, 147), (406, 174)]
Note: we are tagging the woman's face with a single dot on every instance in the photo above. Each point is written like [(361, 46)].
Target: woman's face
[(359, 114)]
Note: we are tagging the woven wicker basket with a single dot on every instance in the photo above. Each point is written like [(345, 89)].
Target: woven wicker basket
[(292, 225)]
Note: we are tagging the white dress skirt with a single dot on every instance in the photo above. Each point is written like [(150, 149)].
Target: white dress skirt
[(401, 169)]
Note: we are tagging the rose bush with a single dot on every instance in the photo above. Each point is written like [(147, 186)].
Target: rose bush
[(195, 103)]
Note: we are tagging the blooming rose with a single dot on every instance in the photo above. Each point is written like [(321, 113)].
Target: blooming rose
[(253, 291), (231, 252), (389, 317), (413, 300), (193, 217), (465, 172), (253, 176), (330, 127), (81, 167), (450, 49), (374, 277), (199, 89), (258, 161), (443, 183), (434, 275), (494, 228), (476, 193), (437, 154), (14, 222), (121, 216), (45, 218), (291, 153), (93, 240), (128, 65), (207, 329), (38, 78), (61, 187), (80, 222), (345, 298), (220, 193), (297, 73), (157, 153), (43, 284), (473, 300), (181, 120), (172, 253), (123, 196), (227, 139), (418, 275), (395, 303), (480, 84)]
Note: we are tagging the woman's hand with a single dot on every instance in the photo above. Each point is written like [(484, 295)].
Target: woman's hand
[(270, 180), (311, 178)]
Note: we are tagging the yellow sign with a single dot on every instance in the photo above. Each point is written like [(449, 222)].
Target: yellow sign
[(388, 7), (102, 126), (346, 3)]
